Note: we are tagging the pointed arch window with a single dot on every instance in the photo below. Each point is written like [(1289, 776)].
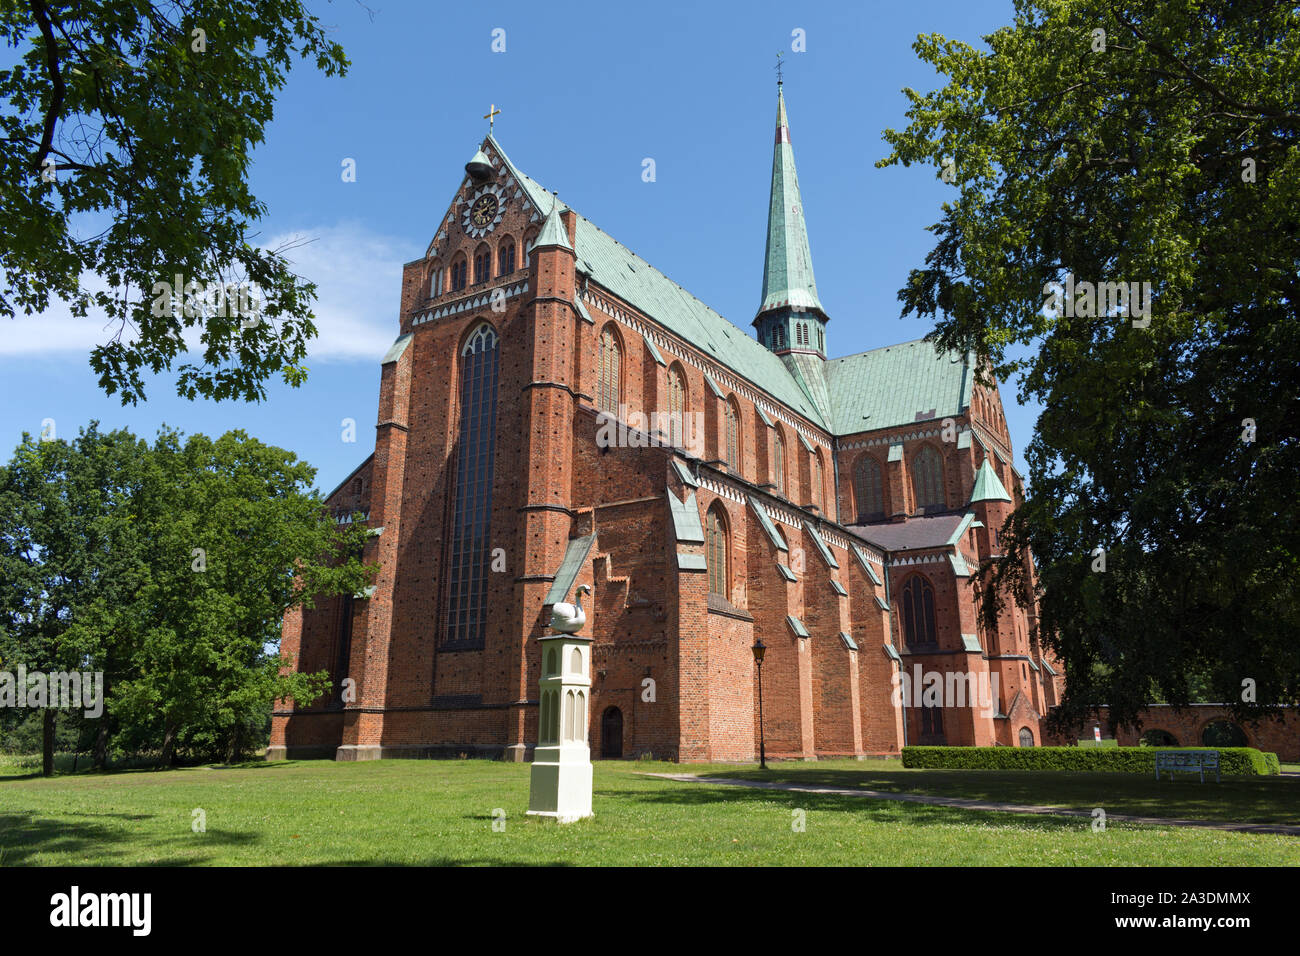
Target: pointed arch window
[(435, 280), (927, 479), (611, 361), (869, 489), (482, 265), (676, 407), (475, 451), (778, 455), (506, 258), (459, 274), (733, 436), (529, 239), (918, 612), (717, 553)]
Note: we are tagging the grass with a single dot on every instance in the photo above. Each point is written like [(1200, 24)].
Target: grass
[(1234, 800), (413, 812)]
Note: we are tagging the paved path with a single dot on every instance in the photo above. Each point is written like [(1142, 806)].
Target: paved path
[(968, 804)]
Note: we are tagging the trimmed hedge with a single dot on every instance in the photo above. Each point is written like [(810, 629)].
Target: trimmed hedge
[(1233, 761)]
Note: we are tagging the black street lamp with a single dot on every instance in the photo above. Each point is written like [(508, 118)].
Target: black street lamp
[(759, 650)]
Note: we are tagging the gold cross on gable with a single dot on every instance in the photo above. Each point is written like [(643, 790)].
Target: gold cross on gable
[(491, 116)]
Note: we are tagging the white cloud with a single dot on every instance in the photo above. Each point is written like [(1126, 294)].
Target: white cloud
[(358, 277)]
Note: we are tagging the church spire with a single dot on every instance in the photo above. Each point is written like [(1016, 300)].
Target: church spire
[(790, 315)]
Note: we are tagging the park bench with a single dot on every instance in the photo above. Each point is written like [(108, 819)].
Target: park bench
[(1187, 761)]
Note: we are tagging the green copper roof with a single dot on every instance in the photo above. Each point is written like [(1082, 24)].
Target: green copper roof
[(890, 385), (824, 551), (574, 555), (686, 518), (806, 370), (766, 523), (785, 572), (896, 385), (891, 653), (848, 640), (634, 280), (987, 485), (838, 588), (553, 232), (866, 565), (971, 642), (684, 474), (796, 625), (787, 267)]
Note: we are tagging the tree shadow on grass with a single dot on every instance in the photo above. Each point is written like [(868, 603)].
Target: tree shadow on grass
[(24, 836), (873, 810), (1235, 799), (443, 861)]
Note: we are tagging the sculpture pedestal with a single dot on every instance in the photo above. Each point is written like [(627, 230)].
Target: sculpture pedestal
[(560, 784)]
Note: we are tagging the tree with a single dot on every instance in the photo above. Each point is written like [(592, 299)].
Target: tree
[(1148, 142), (168, 569), (236, 542), (71, 555), (124, 151)]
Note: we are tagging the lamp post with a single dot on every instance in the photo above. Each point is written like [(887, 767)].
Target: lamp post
[(759, 650)]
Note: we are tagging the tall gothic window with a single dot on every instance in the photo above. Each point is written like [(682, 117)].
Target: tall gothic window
[(918, 612), (927, 479), (869, 488), (467, 599), (778, 453), (778, 336), (482, 265), (817, 481), (676, 407), (821, 339), (506, 258), (459, 272), (435, 280), (716, 556), (607, 390), (733, 437)]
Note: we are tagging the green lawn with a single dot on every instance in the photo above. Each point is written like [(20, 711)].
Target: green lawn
[(441, 812), (1234, 799)]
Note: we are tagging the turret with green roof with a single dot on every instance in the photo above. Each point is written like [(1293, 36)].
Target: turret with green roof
[(791, 320)]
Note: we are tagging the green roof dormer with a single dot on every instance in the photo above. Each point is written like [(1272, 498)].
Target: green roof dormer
[(988, 487)]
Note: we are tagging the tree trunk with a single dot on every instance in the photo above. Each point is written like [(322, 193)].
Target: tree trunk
[(101, 744), (47, 741), (169, 744)]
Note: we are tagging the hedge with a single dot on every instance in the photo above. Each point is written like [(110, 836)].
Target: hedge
[(1233, 761)]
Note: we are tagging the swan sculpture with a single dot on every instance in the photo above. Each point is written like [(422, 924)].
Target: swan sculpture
[(569, 618)]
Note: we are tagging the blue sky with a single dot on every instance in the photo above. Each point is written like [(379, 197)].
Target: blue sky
[(587, 92)]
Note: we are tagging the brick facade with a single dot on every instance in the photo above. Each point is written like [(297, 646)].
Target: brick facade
[(674, 660)]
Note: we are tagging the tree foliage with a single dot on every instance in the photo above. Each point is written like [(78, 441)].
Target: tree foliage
[(168, 568), (125, 140), (1150, 141)]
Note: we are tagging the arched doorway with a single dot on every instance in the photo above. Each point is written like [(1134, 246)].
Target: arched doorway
[(611, 733), (1223, 733), (1155, 737), (1026, 737)]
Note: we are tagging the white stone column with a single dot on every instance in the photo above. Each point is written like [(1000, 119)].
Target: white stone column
[(560, 785)]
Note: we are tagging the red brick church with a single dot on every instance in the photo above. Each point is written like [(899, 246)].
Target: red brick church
[(556, 412)]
